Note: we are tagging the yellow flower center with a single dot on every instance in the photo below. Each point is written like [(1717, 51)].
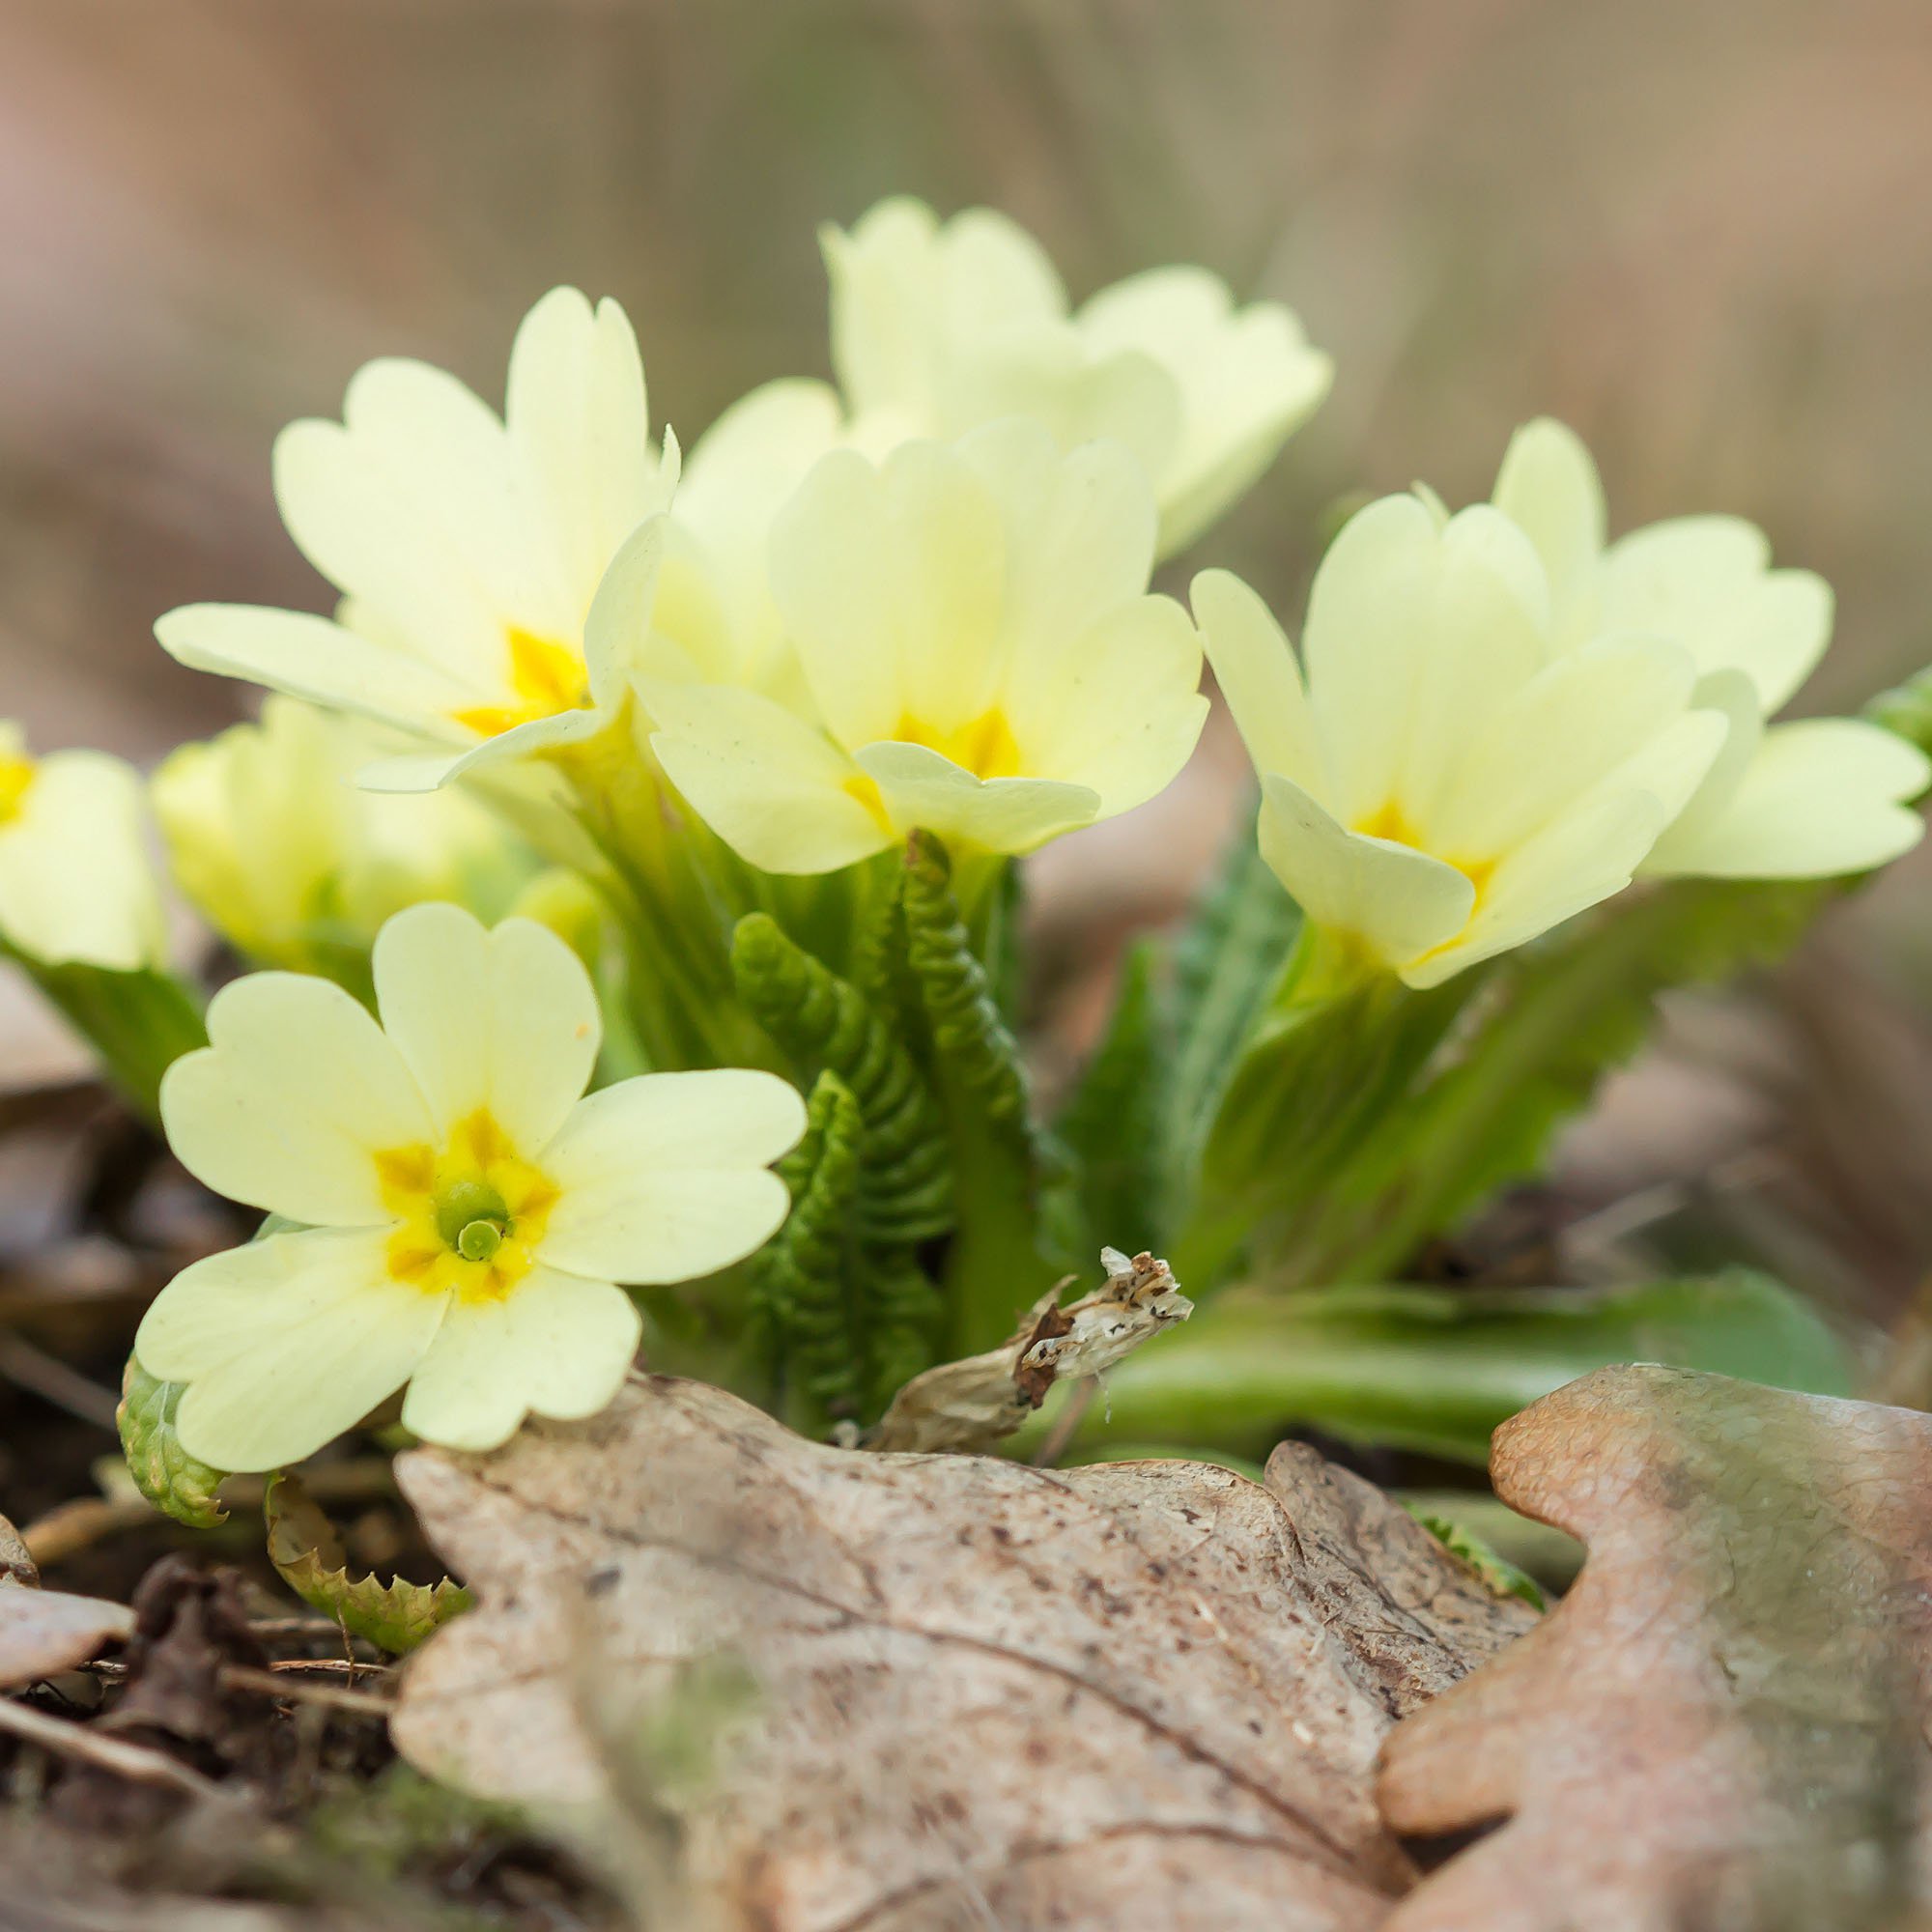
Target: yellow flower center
[(470, 1218), (984, 746), (16, 777), (547, 676), (1391, 822)]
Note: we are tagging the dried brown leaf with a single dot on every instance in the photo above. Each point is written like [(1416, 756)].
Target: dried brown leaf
[(45, 1631), (1140, 1696), (976, 1403), (1721, 1726)]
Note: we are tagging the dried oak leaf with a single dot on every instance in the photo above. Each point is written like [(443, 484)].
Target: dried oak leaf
[(1140, 1696), (44, 1632), (1721, 1725)]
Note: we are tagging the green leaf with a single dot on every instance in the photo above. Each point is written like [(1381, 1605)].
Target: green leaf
[(1227, 961), (1017, 1210), (903, 1319), (849, 1320), (802, 1277), (1549, 1555), (1328, 1072), (826, 1025), (1114, 1122), (1559, 1017), (1497, 1574), (163, 1471), (1435, 1369), (1907, 710), (878, 938), (139, 1023), (308, 1553), (970, 1037)]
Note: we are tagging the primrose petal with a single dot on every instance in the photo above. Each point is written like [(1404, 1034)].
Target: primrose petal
[(480, 1198)]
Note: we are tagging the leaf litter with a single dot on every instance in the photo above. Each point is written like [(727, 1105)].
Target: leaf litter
[(1145, 1694), (1722, 1725)]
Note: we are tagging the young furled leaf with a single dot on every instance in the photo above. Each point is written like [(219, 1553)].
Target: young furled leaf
[(163, 1471), (827, 1025), (1017, 1212), (848, 1321), (1497, 1571)]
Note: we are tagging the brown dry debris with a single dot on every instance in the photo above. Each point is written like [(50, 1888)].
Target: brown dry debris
[(1141, 1695), (1722, 1725), (188, 1627), (976, 1403), (44, 1632)]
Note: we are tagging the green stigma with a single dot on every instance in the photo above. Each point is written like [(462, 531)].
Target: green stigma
[(472, 1217), (479, 1240)]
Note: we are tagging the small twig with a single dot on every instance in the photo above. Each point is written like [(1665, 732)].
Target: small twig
[(138, 1762), (1072, 1413), (1598, 1236), (271, 1684), (270, 1627), (74, 1526), (346, 1667), (40, 1373)]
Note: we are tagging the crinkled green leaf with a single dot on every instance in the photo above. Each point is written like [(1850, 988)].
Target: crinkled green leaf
[(1018, 1211), (827, 1025), (801, 1278), (970, 1037), (163, 1471), (308, 1554), (850, 1321)]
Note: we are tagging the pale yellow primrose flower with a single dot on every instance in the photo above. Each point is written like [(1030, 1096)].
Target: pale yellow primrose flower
[(939, 327), (714, 620), (982, 656), (493, 571), (1440, 781), (77, 887), (287, 859), (466, 1214), (1812, 799)]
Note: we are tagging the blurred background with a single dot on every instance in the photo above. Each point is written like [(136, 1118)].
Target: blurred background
[(1697, 230)]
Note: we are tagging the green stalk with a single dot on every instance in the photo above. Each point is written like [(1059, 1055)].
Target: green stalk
[(1330, 1067), (1571, 1011)]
